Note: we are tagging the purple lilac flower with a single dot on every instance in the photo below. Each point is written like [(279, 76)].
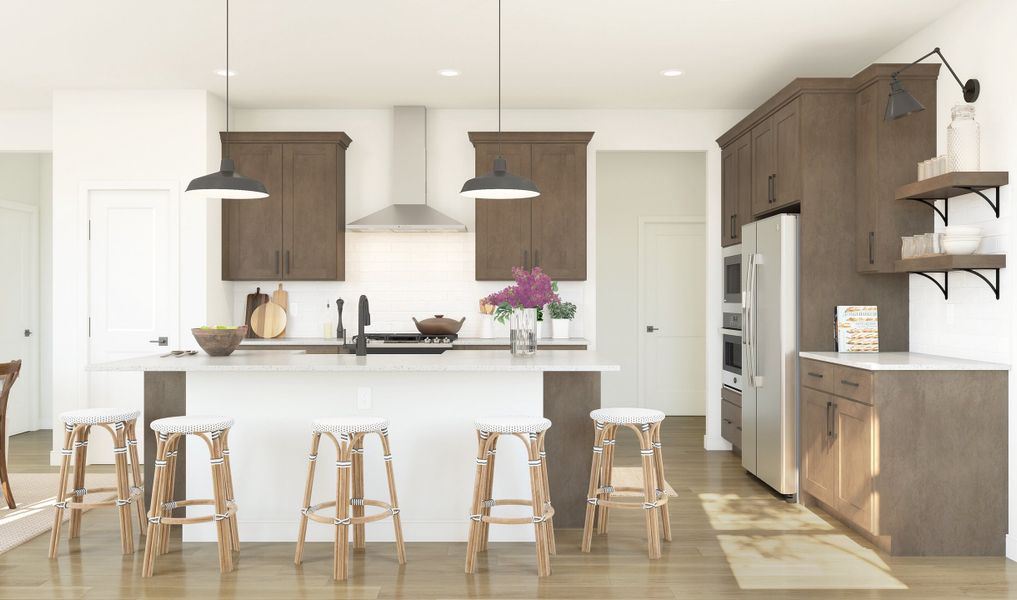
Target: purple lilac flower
[(533, 289)]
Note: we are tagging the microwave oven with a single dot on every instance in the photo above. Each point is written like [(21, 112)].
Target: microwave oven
[(733, 275)]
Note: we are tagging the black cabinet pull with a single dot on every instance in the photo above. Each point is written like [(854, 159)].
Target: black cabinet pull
[(819, 375), (773, 186), (872, 239), (278, 265), (851, 383), (829, 419)]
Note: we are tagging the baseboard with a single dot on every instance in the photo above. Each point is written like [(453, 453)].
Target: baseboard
[(381, 531), (1011, 547), (715, 443)]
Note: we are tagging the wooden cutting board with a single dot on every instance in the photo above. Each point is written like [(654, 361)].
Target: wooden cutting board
[(253, 301), (268, 320), (282, 298)]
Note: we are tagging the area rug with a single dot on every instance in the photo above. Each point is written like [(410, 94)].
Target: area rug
[(35, 494)]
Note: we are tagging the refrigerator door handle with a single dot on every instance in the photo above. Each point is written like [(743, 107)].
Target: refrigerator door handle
[(755, 379)]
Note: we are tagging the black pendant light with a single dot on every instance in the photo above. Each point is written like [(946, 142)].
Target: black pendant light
[(901, 103), (226, 182), (499, 184)]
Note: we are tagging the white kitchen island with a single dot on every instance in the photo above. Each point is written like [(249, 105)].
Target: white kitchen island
[(431, 402)]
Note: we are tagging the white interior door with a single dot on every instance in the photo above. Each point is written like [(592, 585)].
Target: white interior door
[(130, 290), (672, 307), (19, 293)]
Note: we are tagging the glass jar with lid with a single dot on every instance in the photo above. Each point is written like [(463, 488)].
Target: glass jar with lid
[(963, 139)]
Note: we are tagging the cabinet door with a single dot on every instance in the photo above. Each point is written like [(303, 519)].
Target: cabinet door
[(819, 459), (743, 210), (311, 220), (558, 215), (867, 117), (728, 196), (503, 226), (763, 167), (253, 229), (853, 433), (787, 181)]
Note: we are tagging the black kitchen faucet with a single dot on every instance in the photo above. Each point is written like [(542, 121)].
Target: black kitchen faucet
[(363, 319)]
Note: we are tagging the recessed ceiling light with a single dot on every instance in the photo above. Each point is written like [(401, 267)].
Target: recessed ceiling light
[(225, 72), (448, 72), (672, 72)]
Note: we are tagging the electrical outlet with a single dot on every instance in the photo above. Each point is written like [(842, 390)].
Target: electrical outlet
[(363, 398)]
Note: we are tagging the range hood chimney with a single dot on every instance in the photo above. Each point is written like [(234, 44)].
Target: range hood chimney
[(409, 212)]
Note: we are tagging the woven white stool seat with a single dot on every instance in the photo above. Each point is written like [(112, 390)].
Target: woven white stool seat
[(99, 416), (514, 424), (627, 416), (349, 425), (192, 424)]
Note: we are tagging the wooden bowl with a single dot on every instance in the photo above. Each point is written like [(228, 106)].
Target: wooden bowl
[(219, 342)]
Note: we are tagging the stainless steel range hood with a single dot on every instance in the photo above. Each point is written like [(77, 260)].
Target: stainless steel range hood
[(409, 212)]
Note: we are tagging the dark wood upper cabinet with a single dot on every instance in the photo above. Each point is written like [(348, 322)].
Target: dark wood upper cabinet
[(736, 189), (548, 231), (787, 174), (502, 226), (252, 232), (763, 167), (298, 232)]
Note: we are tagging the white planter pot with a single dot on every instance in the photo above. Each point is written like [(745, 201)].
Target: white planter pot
[(560, 328), (487, 326)]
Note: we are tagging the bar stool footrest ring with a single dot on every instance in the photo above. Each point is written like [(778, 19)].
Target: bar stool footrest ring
[(529, 520), (387, 511)]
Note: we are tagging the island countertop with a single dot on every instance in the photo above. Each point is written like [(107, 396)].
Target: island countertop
[(464, 361), (461, 342), (902, 361)]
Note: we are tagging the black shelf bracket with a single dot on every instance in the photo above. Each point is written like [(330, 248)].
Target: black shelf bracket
[(945, 286), (945, 213)]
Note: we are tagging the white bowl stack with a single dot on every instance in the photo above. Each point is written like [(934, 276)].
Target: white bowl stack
[(961, 240)]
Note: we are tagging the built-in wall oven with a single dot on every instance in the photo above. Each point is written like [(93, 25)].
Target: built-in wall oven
[(732, 278), (731, 343)]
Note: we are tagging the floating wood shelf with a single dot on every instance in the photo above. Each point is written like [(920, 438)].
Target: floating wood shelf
[(946, 263), (949, 185)]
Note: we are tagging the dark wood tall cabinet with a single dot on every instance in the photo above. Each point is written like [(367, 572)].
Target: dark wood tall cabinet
[(298, 232), (736, 189), (548, 231)]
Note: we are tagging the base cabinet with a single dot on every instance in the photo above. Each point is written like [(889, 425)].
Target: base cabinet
[(893, 454)]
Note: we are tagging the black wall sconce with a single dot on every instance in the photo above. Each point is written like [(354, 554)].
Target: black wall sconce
[(901, 103)]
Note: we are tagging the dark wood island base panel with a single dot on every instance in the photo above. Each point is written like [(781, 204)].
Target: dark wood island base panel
[(916, 461), (568, 399)]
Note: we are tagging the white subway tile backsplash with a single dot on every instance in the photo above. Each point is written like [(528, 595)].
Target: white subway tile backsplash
[(404, 275)]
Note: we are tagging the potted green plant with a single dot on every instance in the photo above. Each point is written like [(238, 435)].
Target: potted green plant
[(561, 314)]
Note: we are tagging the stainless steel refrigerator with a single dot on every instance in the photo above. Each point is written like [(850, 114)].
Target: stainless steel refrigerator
[(770, 351)]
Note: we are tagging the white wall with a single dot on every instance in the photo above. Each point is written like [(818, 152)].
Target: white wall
[(977, 40), (26, 178), (451, 162), (26, 131), (633, 185), (113, 137)]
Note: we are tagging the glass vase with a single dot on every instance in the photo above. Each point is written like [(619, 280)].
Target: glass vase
[(963, 139), (523, 331)]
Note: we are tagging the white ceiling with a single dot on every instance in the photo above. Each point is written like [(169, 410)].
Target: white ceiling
[(379, 53)]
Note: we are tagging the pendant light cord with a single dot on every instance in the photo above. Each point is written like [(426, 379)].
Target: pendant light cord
[(499, 78), (228, 79)]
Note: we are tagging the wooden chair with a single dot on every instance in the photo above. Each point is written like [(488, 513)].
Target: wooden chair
[(529, 430), (645, 423), (9, 374), (347, 434)]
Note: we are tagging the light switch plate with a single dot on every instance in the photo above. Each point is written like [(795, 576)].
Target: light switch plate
[(363, 398)]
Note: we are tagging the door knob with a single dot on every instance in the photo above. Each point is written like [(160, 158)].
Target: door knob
[(28, 333), (651, 329), (161, 341)]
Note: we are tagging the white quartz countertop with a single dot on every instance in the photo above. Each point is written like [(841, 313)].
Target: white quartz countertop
[(463, 341), (902, 361), (464, 361)]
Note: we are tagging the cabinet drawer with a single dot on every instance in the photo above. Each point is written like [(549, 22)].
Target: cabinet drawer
[(817, 375), (731, 423), (855, 384), (729, 395)]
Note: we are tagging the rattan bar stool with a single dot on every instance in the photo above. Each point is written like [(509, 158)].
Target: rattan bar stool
[(645, 423), (78, 425), (214, 431), (347, 433), (531, 431)]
